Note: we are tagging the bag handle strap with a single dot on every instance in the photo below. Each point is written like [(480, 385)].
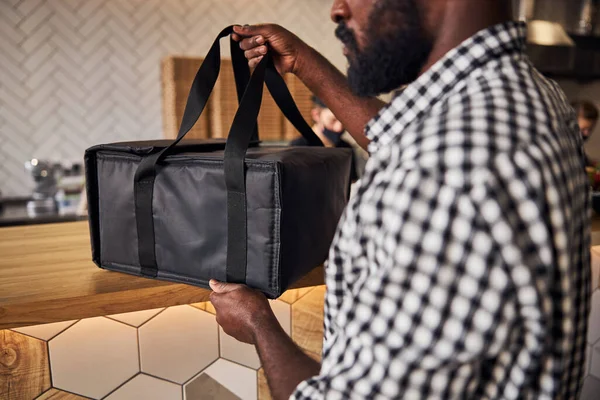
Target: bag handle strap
[(145, 175), (243, 130)]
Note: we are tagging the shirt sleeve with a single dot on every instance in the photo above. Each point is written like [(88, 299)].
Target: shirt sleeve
[(424, 302)]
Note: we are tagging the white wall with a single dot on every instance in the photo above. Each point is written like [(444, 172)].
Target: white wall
[(74, 73)]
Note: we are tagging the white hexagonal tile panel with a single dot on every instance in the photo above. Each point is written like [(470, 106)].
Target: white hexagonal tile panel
[(135, 318), (45, 331), (595, 362), (178, 343), (246, 354), (283, 312), (591, 389), (93, 357), (242, 353), (594, 321), (147, 388), (238, 379)]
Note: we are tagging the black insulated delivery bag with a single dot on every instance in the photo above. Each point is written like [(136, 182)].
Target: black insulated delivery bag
[(233, 210)]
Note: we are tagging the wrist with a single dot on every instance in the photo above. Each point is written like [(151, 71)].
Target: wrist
[(303, 56), (264, 323)]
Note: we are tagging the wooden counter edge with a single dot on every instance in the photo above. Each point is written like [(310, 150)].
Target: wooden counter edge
[(58, 310)]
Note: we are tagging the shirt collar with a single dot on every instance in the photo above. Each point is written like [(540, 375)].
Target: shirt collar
[(432, 86)]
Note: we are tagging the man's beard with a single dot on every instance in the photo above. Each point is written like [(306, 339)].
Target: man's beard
[(396, 48)]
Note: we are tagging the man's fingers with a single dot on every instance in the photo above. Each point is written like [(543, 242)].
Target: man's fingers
[(251, 42), (236, 37), (254, 62), (222, 287), (256, 52)]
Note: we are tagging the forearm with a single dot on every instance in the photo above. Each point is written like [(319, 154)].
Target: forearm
[(331, 86), (284, 363)]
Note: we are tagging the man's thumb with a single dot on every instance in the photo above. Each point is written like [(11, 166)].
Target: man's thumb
[(222, 287)]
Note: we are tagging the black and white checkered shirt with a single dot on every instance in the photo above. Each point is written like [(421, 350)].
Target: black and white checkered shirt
[(461, 267)]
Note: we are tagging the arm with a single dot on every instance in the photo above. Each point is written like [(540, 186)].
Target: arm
[(290, 54), (245, 314), (285, 364)]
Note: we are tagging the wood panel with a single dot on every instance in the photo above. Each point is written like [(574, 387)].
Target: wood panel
[(24, 368), (46, 275), (177, 75), (307, 321), (303, 98), (223, 102), (224, 105)]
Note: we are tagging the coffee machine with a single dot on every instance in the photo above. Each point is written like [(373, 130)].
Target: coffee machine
[(45, 176)]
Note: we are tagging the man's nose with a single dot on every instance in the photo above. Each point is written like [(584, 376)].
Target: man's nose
[(340, 11)]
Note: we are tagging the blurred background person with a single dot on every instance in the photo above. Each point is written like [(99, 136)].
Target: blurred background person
[(587, 117), (333, 134)]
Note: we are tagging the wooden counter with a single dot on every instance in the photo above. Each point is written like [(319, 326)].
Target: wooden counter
[(46, 275)]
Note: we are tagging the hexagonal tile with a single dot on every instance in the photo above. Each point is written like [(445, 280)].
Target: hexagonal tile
[(205, 306), (147, 388), (24, 370), (283, 313), (237, 379), (594, 319), (234, 350), (591, 388), (45, 331), (204, 386), (178, 343), (307, 321), (293, 295), (55, 394), (595, 361), (244, 353), (90, 349), (135, 318)]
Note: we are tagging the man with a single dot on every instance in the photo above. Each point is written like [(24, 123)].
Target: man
[(461, 268), (326, 126), (332, 133), (587, 117)]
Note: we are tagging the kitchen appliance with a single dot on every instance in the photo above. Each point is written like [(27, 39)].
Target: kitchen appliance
[(562, 39), (44, 174)]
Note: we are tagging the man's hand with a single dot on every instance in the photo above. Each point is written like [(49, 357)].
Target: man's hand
[(286, 48), (241, 311), (245, 314)]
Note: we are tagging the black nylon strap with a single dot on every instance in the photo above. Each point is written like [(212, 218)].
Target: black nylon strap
[(241, 72), (235, 174), (145, 174), (243, 131), (286, 104)]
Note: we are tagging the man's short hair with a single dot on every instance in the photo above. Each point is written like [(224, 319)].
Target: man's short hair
[(318, 103), (586, 109)]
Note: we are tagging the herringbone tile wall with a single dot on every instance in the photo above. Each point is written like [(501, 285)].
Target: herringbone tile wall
[(74, 73)]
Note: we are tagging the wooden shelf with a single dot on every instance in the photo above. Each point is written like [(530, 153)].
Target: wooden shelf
[(46, 275)]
